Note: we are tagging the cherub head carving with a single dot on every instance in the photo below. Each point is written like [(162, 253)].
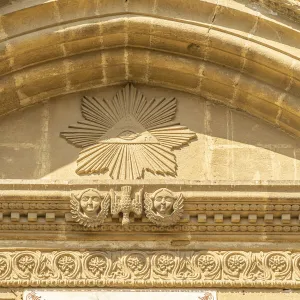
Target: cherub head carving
[(163, 201), (90, 208), (90, 201), (163, 207)]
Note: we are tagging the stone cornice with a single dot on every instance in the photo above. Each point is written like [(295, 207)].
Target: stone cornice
[(253, 212)]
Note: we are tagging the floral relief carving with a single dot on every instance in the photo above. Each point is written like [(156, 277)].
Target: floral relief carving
[(5, 266), (278, 266), (164, 264), (138, 264), (25, 264), (150, 269), (208, 265), (97, 265), (235, 264), (163, 207), (128, 135), (66, 264)]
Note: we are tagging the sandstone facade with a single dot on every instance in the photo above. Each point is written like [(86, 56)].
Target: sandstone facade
[(150, 144)]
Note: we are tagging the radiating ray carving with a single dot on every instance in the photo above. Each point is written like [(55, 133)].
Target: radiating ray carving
[(128, 135)]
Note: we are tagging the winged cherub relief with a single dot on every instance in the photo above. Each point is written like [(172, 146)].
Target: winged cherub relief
[(128, 135), (90, 208), (163, 207)]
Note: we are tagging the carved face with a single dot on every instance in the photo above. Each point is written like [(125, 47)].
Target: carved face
[(163, 202), (90, 203)]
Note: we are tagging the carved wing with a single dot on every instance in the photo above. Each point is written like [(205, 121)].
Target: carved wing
[(137, 206), (178, 210), (75, 210), (115, 203), (104, 207), (178, 205), (149, 209)]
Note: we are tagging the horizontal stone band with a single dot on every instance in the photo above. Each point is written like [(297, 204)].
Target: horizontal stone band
[(150, 269)]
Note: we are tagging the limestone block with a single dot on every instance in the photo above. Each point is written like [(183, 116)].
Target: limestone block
[(16, 161), (68, 217), (218, 218), (114, 33), (137, 64), (141, 7), (269, 218), (202, 218), (82, 37), (286, 218), (235, 218), (189, 10), (252, 218), (32, 217), (139, 31), (15, 216), (21, 20), (77, 9), (50, 217)]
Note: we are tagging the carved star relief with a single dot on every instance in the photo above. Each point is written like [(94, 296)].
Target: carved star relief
[(128, 135)]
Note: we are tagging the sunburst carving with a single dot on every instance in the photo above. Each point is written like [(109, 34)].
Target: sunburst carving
[(128, 135)]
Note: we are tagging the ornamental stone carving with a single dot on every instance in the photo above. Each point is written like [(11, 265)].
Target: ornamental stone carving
[(123, 203), (163, 207), (128, 135), (90, 208), (150, 268)]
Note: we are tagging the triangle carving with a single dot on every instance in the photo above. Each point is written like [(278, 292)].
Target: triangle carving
[(128, 135)]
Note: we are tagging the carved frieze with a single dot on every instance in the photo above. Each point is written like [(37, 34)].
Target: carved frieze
[(90, 208), (128, 135), (163, 268), (163, 207)]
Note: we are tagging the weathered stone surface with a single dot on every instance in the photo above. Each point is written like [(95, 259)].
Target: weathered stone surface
[(180, 163)]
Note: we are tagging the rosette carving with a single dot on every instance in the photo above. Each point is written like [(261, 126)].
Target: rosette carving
[(235, 265), (96, 265), (208, 265), (164, 264), (278, 265), (25, 264), (67, 264)]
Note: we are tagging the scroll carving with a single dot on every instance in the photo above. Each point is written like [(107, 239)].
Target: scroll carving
[(128, 135), (90, 208), (136, 268), (163, 207)]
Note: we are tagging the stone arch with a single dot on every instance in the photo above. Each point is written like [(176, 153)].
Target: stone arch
[(230, 54)]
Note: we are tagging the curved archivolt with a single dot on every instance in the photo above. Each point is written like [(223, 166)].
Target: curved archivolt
[(228, 53)]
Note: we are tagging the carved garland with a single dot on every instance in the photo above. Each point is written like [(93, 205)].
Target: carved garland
[(150, 269)]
